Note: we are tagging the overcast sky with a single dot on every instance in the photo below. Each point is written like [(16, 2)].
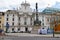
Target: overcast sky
[(15, 3)]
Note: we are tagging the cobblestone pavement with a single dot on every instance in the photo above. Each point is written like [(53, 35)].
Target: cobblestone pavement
[(27, 38), (29, 34)]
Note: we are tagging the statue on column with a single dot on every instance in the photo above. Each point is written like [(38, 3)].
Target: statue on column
[(37, 22)]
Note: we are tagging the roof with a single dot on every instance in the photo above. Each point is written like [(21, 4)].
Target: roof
[(51, 10)]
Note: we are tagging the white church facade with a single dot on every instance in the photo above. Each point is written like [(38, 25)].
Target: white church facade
[(23, 18)]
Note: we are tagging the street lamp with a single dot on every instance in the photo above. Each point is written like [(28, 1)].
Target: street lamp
[(53, 28), (53, 22)]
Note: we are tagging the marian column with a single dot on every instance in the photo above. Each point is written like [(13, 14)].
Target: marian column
[(37, 22)]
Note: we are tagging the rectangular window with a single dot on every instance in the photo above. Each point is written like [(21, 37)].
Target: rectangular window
[(13, 23), (43, 24), (42, 19), (19, 18), (48, 19), (2, 13), (13, 15), (7, 15), (31, 21), (13, 19), (7, 19), (24, 23), (43, 16), (56, 18), (19, 23)]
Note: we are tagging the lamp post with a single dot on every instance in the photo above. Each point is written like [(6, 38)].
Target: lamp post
[(53, 28), (53, 22)]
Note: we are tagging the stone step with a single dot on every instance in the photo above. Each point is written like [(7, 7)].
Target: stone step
[(36, 28), (34, 31)]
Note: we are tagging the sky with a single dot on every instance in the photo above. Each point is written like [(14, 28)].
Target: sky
[(9, 4)]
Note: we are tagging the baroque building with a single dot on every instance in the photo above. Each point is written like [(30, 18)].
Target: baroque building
[(23, 18), (11, 17), (26, 19)]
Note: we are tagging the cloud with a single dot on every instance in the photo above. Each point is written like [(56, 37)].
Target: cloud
[(7, 4)]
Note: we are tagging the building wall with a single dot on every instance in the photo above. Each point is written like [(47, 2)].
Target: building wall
[(45, 20), (26, 15), (1, 20), (11, 19), (22, 21), (28, 21)]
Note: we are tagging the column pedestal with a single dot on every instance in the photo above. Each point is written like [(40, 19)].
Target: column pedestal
[(35, 29)]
